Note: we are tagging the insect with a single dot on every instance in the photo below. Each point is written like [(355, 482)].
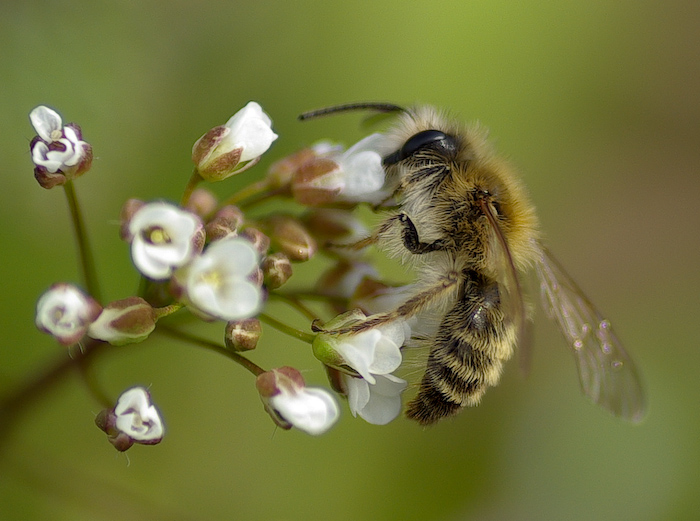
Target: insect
[(464, 221)]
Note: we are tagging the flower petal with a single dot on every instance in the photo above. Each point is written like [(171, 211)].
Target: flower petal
[(46, 121)]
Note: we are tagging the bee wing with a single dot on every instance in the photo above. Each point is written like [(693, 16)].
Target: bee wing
[(512, 301), (607, 374)]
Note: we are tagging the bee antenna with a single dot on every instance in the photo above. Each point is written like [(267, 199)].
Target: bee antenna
[(377, 106)]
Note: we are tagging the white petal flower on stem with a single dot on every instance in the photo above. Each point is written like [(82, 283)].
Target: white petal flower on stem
[(377, 403), (363, 172), (376, 351), (217, 284), (58, 152), (356, 175), (66, 312), (137, 417), (312, 410), (228, 149), (163, 238), (291, 403), (251, 130)]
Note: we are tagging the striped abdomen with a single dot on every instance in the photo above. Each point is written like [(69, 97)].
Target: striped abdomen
[(468, 353)]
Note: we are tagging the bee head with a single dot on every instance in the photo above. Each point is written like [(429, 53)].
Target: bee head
[(430, 141)]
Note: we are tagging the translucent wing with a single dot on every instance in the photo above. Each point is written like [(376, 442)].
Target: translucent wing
[(512, 295), (607, 374)]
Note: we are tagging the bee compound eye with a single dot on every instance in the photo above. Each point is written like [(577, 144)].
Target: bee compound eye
[(435, 140)]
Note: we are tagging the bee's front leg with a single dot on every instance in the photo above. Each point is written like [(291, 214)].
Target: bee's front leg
[(413, 242)]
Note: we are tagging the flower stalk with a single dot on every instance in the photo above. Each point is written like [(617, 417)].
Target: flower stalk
[(87, 262)]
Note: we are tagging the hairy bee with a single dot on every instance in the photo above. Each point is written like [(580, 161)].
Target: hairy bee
[(465, 222)]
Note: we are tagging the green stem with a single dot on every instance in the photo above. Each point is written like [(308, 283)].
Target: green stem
[(253, 189), (167, 310), (289, 330), (195, 179), (213, 346), (296, 304), (87, 263)]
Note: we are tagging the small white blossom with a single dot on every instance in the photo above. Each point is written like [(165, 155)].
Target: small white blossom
[(163, 238), (291, 404), (217, 284), (225, 150), (251, 130), (137, 417), (58, 152), (377, 403), (356, 175), (362, 171), (376, 351), (66, 313)]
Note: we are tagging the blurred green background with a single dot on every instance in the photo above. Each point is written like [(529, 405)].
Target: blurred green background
[(597, 102)]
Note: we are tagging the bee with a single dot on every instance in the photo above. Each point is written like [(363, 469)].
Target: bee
[(463, 219)]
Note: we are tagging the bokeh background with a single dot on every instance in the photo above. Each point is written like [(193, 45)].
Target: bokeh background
[(597, 102)]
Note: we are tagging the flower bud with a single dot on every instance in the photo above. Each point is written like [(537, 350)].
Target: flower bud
[(342, 279), (373, 296), (202, 203), (65, 312), (242, 335), (224, 223), (291, 404), (58, 152), (257, 238), (315, 182), (231, 148), (281, 172), (125, 321), (277, 269), (290, 236), (335, 226)]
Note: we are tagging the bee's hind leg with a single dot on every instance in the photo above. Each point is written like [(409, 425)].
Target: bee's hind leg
[(414, 305)]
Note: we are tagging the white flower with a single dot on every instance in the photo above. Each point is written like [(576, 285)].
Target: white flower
[(163, 238), (251, 130), (225, 149), (312, 410), (356, 175), (291, 404), (137, 417), (59, 153), (376, 351), (66, 313), (362, 171), (217, 284), (379, 403)]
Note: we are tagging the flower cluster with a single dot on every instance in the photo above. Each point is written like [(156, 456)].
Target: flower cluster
[(222, 260)]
